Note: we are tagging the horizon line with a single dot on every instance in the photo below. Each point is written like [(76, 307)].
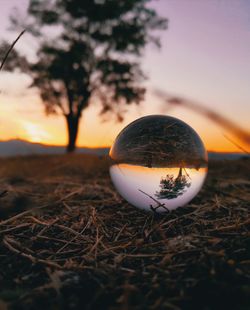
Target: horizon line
[(100, 147)]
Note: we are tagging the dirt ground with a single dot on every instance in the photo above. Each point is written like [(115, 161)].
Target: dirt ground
[(69, 241)]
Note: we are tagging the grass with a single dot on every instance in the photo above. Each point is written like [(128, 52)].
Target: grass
[(70, 241)]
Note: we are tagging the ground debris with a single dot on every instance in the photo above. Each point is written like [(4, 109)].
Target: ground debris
[(77, 244)]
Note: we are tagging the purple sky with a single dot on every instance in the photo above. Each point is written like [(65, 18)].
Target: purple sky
[(205, 56)]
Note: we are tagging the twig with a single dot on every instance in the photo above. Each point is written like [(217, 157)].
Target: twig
[(8, 243), (74, 238), (72, 231), (159, 205), (121, 230), (15, 217), (230, 227), (14, 228)]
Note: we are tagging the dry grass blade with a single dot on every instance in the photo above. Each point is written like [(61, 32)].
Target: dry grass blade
[(236, 144), (10, 49), (215, 117)]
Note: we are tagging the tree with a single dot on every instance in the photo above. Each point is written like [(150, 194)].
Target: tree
[(173, 187), (95, 54)]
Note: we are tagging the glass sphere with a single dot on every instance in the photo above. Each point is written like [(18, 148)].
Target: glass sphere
[(159, 163)]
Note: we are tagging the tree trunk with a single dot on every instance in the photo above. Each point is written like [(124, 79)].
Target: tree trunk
[(72, 127), (180, 173)]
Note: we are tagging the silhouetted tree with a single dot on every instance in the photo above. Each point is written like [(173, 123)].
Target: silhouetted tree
[(95, 54), (173, 187)]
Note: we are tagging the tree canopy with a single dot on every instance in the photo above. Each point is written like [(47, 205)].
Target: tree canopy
[(89, 50), (172, 187)]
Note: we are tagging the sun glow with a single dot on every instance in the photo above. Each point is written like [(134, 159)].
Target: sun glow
[(35, 132)]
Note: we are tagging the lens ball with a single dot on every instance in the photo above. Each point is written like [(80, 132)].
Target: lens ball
[(159, 163)]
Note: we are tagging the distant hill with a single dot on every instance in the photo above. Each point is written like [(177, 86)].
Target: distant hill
[(22, 148), (226, 156)]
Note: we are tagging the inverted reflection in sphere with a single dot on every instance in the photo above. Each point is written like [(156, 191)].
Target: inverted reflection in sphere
[(159, 163)]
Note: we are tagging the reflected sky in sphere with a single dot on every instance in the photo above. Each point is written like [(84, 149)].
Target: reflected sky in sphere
[(159, 163), (140, 185)]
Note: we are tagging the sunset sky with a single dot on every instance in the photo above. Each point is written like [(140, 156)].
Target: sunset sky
[(205, 56)]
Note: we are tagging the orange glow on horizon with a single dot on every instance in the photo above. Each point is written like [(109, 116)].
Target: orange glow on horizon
[(169, 170), (93, 137), (31, 124)]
